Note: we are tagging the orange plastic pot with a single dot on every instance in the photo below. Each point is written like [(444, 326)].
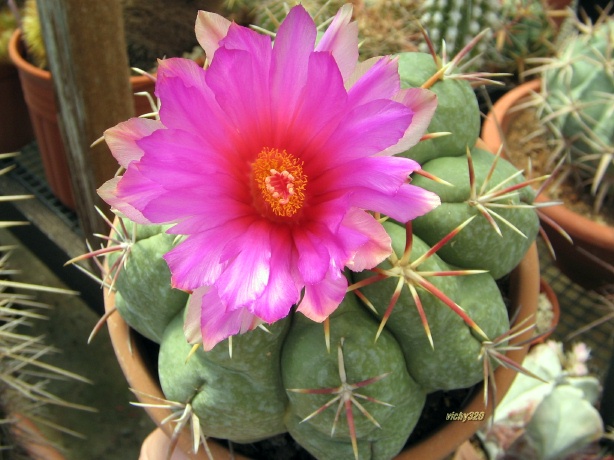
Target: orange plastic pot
[(39, 94)]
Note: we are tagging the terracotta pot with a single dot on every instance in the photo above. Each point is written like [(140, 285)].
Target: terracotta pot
[(15, 127), (524, 289), (586, 260), (39, 95)]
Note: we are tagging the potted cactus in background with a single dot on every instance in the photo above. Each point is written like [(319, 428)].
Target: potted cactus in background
[(25, 370), (27, 51), (523, 425), (573, 101), (244, 252)]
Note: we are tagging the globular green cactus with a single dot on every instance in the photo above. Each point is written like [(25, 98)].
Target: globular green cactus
[(577, 105), (422, 321), (456, 22), (526, 31)]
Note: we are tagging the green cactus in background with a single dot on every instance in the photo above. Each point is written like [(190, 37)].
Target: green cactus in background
[(527, 30), (25, 372), (8, 24), (456, 23), (385, 26), (577, 105), (33, 35)]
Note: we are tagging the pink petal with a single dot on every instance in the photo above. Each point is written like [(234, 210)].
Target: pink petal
[(210, 29), (407, 204), (341, 39), (375, 242), (239, 78), (188, 104), (381, 81), (122, 138), (284, 287), (216, 322), (197, 261), (385, 174), (423, 103), (313, 255), (322, 298), (242, 91), (319, 110), (108, 192), (181, 159), (135, 191), (247, 273), (361, 69), (293, 46), (367, 130)]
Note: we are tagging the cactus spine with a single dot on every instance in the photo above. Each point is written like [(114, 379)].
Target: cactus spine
[(456, 22), (578, 106)]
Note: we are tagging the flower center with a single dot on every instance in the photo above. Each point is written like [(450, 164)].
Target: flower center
[(279, 177)]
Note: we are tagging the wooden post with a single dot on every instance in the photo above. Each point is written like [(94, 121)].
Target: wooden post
[(87, 58)]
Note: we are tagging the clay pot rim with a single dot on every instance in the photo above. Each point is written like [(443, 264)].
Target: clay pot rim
[(16, 48), (575, 224), (524, 296)]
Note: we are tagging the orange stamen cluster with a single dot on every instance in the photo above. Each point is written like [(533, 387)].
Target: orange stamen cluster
[(279, 177)]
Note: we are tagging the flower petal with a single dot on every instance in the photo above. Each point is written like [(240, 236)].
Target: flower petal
[(341, 39), (122, 138), (422, 103), (216, 322), (374, 242), (367, 130), (293, 46), (284, 287), (385, 174), (191, 266), (246, 275), (320, 108), (408, 203), (322, 298), (241, 90), (108, 192), (210, 29), (183, 91), (381, 81)]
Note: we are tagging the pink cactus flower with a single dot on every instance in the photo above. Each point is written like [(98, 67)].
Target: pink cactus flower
[(268, 161)]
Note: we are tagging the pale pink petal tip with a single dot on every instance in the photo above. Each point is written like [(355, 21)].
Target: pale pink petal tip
[(423, 103), (377, 245), (341, 39), (210, 28), (209, 321), (323, 298), (108, 192), (122, 138)]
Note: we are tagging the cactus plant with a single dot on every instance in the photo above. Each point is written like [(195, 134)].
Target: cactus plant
[(455, 23), (525, 424), (422, 320), (8, 24), (24, 371), (527, 30), (576, 105)]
